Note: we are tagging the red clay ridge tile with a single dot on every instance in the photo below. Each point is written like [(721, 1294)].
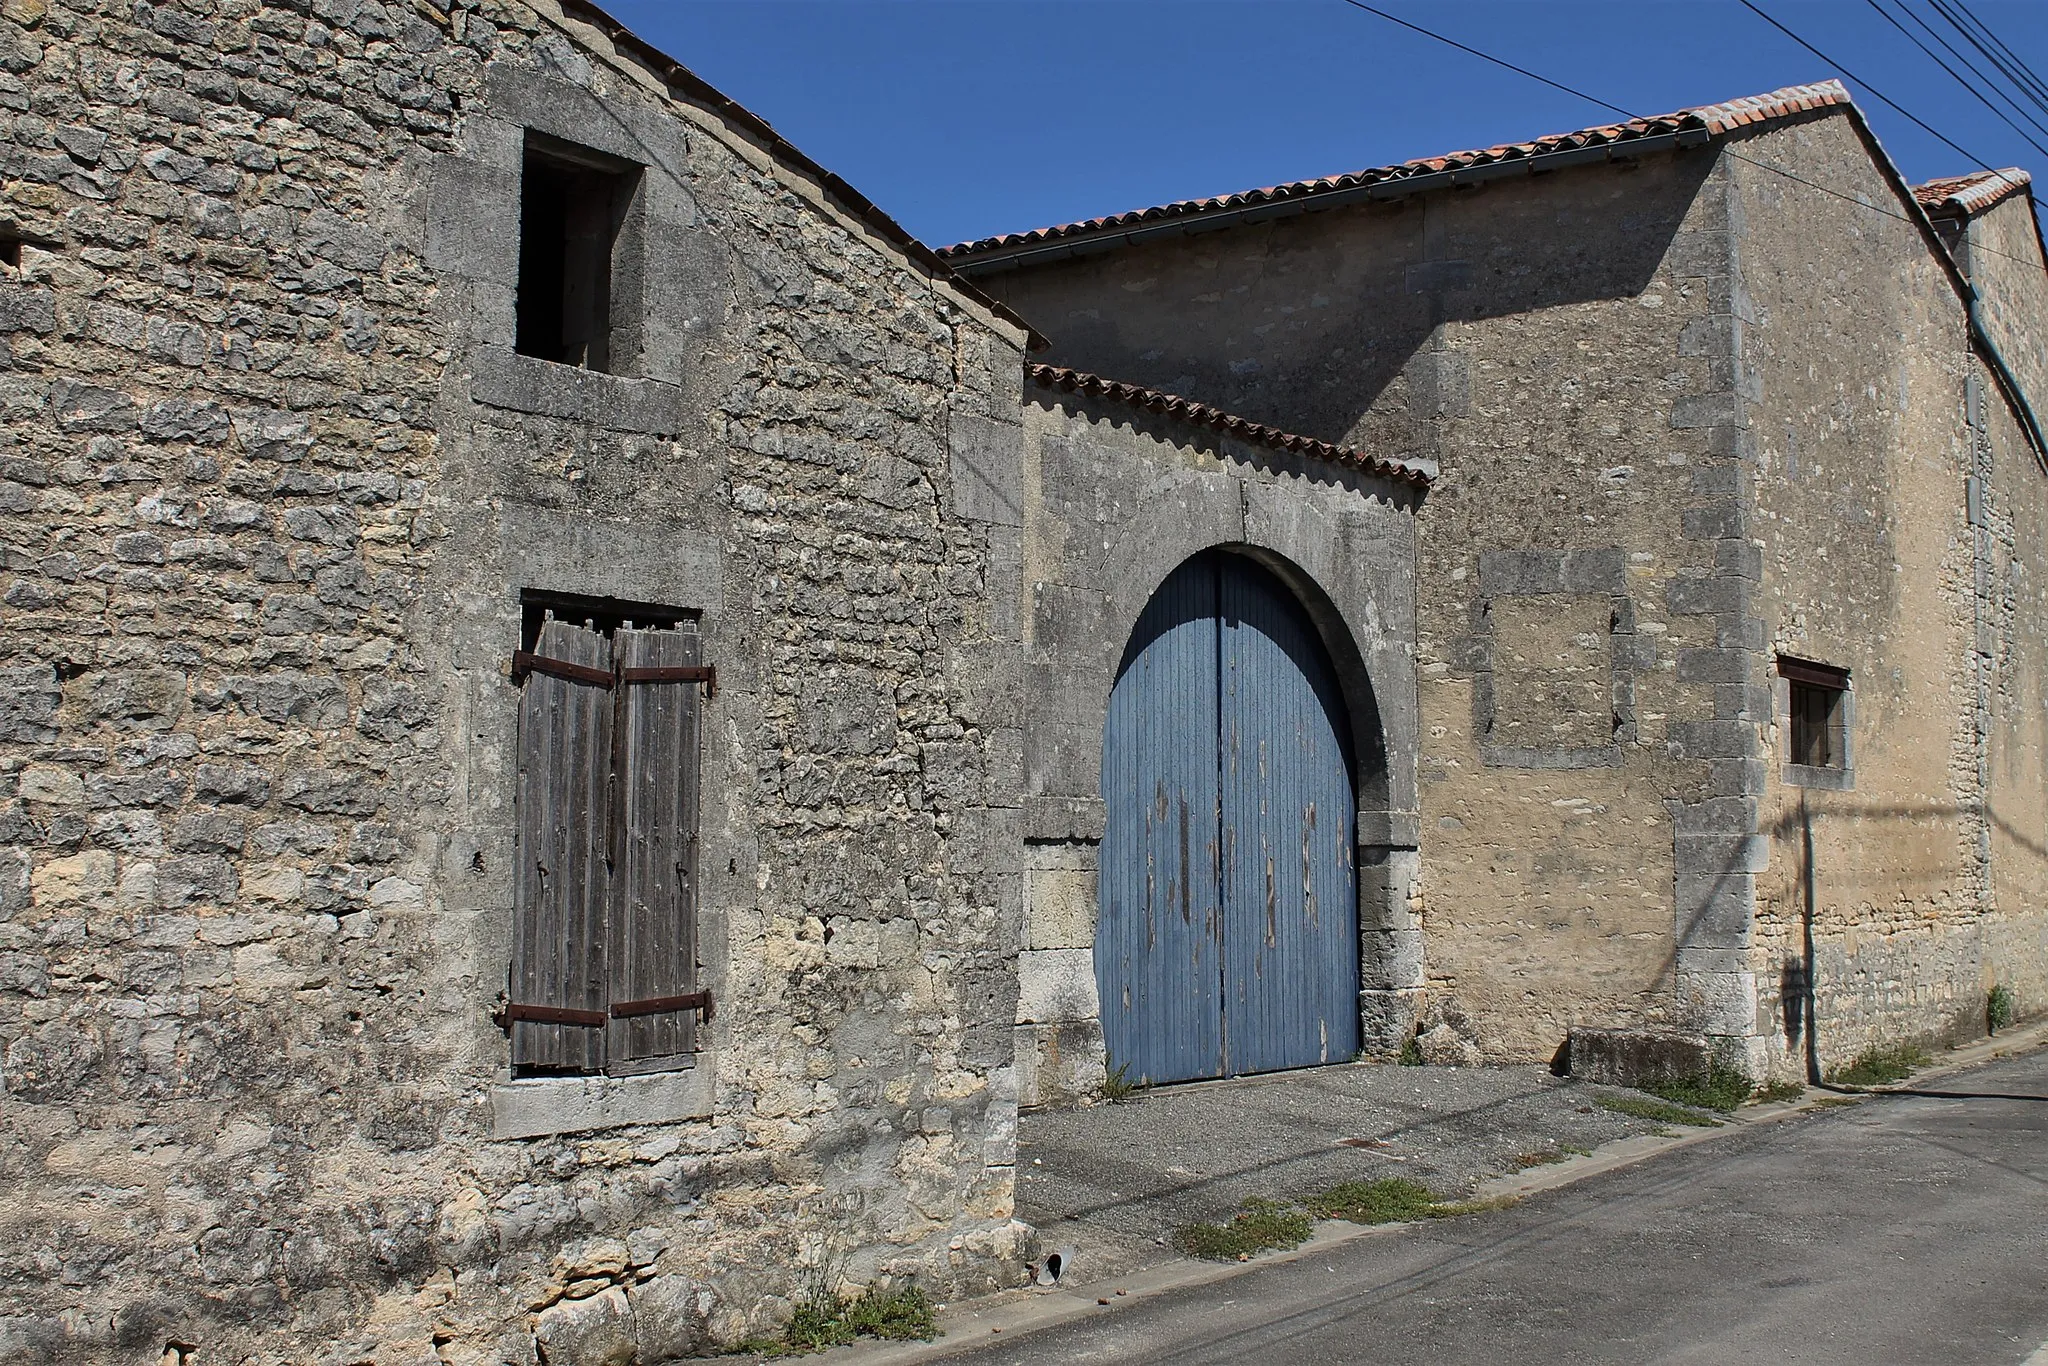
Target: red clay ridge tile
[(1714, 119), (1202, 415), (1970, 195)]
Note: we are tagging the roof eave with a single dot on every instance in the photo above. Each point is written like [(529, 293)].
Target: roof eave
[(998, 259)]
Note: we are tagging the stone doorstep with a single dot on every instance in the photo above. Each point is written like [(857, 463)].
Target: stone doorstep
[(1013, 1313)]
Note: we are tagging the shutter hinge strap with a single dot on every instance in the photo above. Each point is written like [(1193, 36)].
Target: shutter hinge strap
[(663, 1005), (707, 674), (525, 662), (519, 1010)]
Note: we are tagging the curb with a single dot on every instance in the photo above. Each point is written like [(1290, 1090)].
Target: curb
[(975, 1324)]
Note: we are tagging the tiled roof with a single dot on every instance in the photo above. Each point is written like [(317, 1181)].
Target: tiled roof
[(1202, 415), (1970, 194), (1703, 123)]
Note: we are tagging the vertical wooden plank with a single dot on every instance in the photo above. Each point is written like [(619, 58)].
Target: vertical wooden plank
[(1158, 964), (1291, 914), (559, 887), (654, 892)]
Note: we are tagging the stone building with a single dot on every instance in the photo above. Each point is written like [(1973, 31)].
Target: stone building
[(578, 722), (1727, 588), (496, 542)]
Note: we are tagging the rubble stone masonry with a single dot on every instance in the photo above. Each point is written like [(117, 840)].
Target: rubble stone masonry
[(272, 486)]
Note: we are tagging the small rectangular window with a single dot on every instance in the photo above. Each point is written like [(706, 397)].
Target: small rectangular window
[(572, 203), (1817, 703)]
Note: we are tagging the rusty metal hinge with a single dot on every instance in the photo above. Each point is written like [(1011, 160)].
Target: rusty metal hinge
[(525, 662), (663, 1005), (513, 1011)]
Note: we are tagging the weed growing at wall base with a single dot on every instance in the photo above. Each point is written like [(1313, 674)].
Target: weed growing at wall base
[(1999, 1008), (824, 1320), (1878, 1066), (1720, 1088)]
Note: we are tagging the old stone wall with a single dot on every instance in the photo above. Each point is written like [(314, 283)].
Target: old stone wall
[(1117, 498), (1554, 346), (1879, 887), (2009, 522), (275, 483)]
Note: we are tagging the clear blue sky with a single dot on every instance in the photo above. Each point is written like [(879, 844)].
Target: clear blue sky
[(963, 118)]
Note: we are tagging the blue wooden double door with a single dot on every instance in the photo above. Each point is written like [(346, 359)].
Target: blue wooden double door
[(1227, 940)]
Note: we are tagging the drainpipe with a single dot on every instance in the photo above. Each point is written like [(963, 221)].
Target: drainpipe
[(2007, 380)]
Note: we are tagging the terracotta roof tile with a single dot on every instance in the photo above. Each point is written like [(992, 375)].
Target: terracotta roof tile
[(1202, 415), (1971, 194), (1712, 120)]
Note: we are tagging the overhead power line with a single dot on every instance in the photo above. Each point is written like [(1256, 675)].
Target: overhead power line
[(2002, 58), (1489, 57), (1859, 201), (1960, 79), (1870, 89)]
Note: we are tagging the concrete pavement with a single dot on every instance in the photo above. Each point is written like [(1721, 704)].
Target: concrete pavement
[(1900, 1228), (1113, 1182)]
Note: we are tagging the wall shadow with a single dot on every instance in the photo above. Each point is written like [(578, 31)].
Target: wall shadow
[(1305, 323)]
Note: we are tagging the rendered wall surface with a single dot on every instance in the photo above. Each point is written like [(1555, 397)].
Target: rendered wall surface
[(1865, 437), (273, 484), (1117, 499), (1555, 347)]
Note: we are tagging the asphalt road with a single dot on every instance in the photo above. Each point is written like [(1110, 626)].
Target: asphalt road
[(1908, 1229)]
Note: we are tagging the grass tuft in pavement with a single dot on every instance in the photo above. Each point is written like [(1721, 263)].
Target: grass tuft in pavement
[(1877, 1066), (1373, 1202), (1662, 1112), (1720, 1088), (1259, 1226), (1781, 1090), (1454, 1209)]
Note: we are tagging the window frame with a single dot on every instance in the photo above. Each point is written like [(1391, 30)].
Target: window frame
[(1799, 681), (594, 981), (613, 346)]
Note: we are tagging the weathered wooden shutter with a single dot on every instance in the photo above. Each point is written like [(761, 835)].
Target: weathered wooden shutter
[(558, 986), (654, 996)]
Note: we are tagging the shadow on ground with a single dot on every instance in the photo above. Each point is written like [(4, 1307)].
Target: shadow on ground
[(1113, 1181)]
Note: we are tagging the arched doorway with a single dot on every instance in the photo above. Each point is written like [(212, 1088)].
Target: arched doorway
[(1227, 940)]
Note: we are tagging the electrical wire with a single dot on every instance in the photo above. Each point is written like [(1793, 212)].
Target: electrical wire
[(1872, 90), (1858, 200), (2002, 57), (1960, 79), (2027, 95), (1487, 56)]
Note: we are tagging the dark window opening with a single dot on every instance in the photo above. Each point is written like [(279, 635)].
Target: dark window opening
[(572, 203), (602, 615), (1818, 713)]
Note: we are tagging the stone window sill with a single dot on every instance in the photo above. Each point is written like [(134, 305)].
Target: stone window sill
[(502, 378), (1808, 775), (536, 1107)]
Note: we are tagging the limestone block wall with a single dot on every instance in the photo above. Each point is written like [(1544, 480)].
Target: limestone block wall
[(273, 488), (1117, 498), (1866, 424)]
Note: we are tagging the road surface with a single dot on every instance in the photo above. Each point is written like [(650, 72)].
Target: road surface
[(1909, 1229)]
